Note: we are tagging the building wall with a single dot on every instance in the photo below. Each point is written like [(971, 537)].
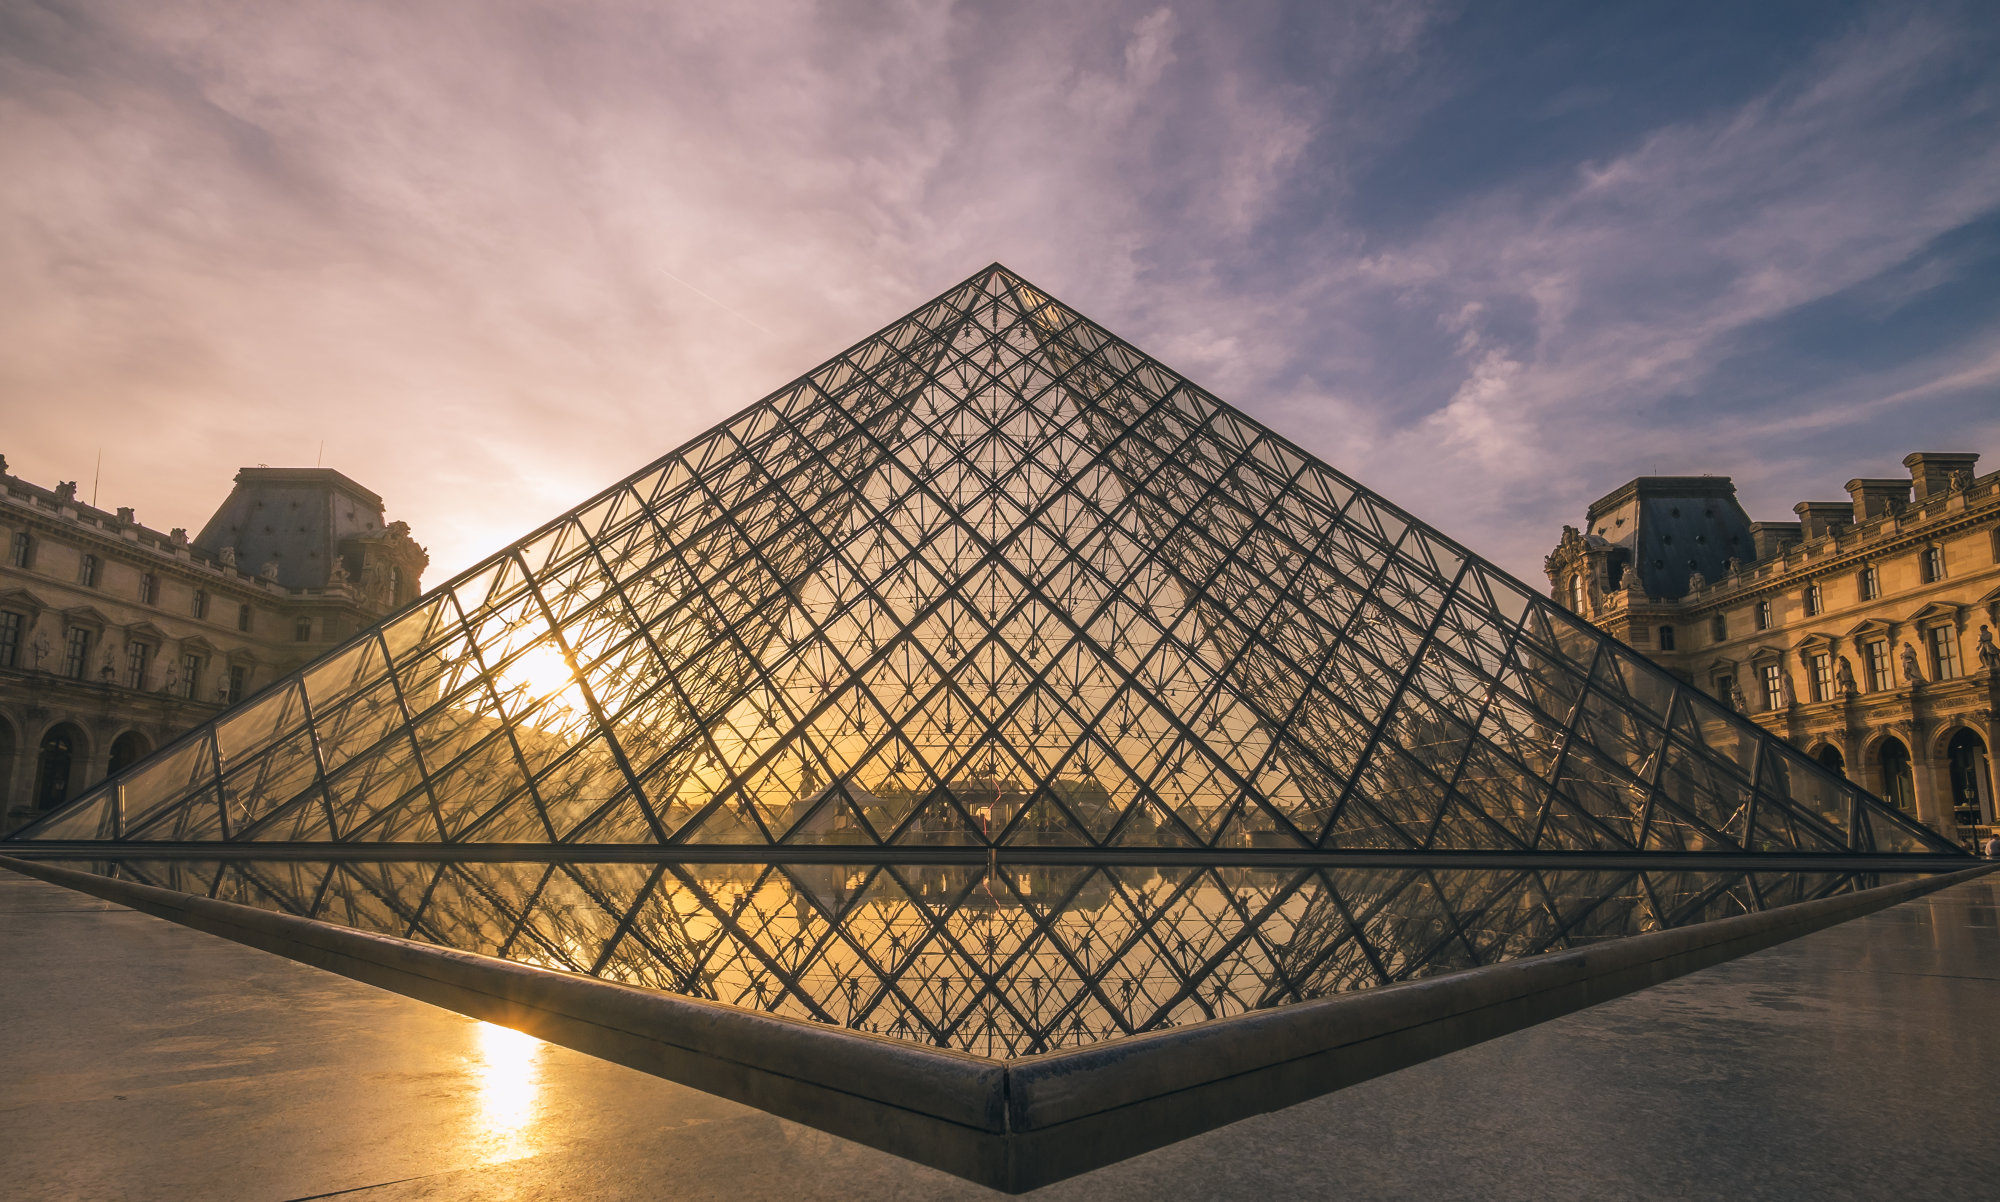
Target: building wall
[(118, 585), (1815, 636)]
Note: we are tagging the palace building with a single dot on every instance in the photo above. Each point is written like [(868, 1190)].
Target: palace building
[(1862, 631), (115, 637)]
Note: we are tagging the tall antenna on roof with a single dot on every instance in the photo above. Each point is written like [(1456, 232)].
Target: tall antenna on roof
[(319, 454), (96, 476)]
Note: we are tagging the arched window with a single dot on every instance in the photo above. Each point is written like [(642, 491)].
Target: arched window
[(1830, 758), (128, 749), (1971, 780), (55, 766), (1576, 593), (1899, 787)]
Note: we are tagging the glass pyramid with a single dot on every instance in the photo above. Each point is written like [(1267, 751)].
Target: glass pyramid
[(991, 577)]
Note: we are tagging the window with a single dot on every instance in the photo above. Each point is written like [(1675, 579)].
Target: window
[(1822, 676), (76, 650), (1666, 638), (1877, 656), (1870, 584), (200, 607), (1576, 592), (1933, 564), (136, 655), (190, 675), (302, 630), (1725, 690), (86, 573), (1944, 652), (1815, 601), (149, 589), (22, 554), (1763, 615), (10, 638), (239, 680), (1774, 686), (1718, 629), (243, 617)]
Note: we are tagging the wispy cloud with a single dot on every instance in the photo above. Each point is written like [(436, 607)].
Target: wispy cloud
[(496, 254)]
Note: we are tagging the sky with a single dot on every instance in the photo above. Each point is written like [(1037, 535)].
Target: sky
[(1491, 260)]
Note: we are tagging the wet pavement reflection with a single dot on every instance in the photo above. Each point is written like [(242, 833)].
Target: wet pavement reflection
[(1003, 960)]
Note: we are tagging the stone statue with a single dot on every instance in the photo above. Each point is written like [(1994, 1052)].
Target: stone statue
[(39, 649), (180, 536), (173, 679), (1843, 678), (270, 569), (1989, 655), (1696, 582), (228, 557), (66, 491), (1912, 673), (1734, 565), (337, 578), (1959, 479), (1787, 695)]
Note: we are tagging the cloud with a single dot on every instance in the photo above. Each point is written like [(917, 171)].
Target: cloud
[(497, 254)]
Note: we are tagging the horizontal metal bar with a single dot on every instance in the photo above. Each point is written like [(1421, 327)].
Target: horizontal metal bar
[(646, 853)]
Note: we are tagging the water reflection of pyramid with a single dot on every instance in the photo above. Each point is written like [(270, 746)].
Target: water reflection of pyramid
[(990, 576)]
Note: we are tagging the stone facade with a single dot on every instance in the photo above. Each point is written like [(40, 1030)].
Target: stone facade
[(1863, 631), (115, 638)]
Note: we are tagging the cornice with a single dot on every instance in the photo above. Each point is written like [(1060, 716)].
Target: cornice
[(1843, 560)]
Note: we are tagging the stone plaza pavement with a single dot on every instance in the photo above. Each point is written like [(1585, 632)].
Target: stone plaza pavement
[(140, 1060)]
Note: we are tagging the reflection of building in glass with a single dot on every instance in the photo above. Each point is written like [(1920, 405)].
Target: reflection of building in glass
[(991, 577), (116, 638), (1863, 632), (1005, 961)]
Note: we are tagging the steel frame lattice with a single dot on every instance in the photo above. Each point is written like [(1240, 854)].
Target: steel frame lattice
[(991, 577), (1014, 963)]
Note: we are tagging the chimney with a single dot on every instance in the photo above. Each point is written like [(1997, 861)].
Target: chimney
[(1817, 519), (1772, 538), (1932, 472), (1873, 498)]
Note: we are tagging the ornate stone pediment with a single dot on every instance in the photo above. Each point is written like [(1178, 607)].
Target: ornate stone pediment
[(1873, 628), (1765, 656), (145, 630), (86, 615), (1937, 612), (21, 599)]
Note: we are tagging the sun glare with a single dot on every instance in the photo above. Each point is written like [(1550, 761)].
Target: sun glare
[(538, 671), (507, 1066)]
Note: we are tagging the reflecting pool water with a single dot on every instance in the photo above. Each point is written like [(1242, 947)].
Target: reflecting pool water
[(1002, 960)]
